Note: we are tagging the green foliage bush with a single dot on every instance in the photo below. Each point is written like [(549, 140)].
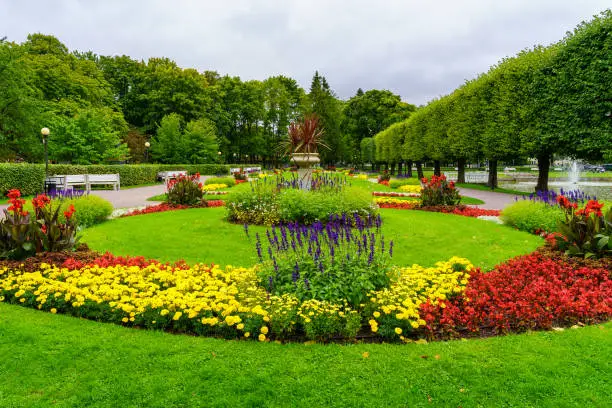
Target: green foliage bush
[(396, 183), (185, 190), (89, 210), (229, 181), (530, 216), (28, 178), (264, 204)]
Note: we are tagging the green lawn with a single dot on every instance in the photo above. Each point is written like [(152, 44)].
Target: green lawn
[(59, 361), (202, 235)]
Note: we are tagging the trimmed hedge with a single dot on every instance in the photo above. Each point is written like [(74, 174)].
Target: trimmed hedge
[(28, 178)]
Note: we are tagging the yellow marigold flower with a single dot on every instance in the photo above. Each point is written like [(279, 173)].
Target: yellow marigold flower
[(164, 312), (177, 316), (264, 330), (376, 314), (53, 310), (262, 337), (240, 326), (247, 334), (398, 330), (414, 324), (22, 300), (125, 320), (374, 329)]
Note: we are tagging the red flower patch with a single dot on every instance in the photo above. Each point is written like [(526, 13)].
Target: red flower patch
[(526, 293)]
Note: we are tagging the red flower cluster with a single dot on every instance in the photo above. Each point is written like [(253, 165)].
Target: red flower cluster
[(195, 178), (526, 293), (592, 207), (215, 203), (437, 181), (238, 181), (69, 212), (384, 182), (403, 205), (108, 260), (41, 201), (475, 212), (564, 202), (16, 203)]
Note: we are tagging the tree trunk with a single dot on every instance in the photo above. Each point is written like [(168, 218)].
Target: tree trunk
[(492, 183), (461, 170), (399, 168), (437, 168), (392, 168), (419, 167), (409, 168), (543, 169)]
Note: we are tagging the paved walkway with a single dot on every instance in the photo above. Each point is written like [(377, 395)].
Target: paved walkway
[(137, 197), (493, 201)]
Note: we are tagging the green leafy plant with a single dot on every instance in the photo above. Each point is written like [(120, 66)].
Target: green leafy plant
[(22, 235), (185, 190), (585, 231), (438, 191), (304, 136), (532, 216)]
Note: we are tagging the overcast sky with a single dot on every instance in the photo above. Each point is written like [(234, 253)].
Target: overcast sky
[(419, 49)]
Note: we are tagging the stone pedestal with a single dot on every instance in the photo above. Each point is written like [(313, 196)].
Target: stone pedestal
[(304, 162)]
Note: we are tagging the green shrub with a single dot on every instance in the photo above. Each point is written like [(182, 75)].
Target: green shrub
[(185, 190), (24, 234), (530, 216), (396, 183), (229, 181), (438, 191), (89, 210), (28, 178)]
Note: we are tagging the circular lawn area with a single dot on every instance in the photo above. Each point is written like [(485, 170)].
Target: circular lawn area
[(202, 235)]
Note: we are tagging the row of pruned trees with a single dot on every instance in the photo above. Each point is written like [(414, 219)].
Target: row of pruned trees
[(545, 101)]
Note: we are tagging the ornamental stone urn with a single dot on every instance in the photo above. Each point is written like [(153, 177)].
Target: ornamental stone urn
[(304, 162)]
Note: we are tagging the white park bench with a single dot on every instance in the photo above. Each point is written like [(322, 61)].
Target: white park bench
[(103, 180), (68, 181), (167, 175)]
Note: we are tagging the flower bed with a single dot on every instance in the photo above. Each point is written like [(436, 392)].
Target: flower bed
[(213, 187), (531, 292), (387, 202), (394, 194), (451, 299)]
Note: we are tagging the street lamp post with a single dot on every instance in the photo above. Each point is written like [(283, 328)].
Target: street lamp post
[(146, 155), (219, 154), (45, 134)]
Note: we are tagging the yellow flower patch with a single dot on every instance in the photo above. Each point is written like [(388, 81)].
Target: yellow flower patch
[(407, 188), (213, 187), (397, 307)]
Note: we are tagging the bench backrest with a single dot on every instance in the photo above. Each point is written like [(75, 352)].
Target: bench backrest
[(103, 178), (75, 179)]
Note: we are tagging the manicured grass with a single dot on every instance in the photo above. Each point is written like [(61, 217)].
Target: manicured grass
[(484, 187), (159, 197), (471, 200), (202, 235), (52, 360)]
